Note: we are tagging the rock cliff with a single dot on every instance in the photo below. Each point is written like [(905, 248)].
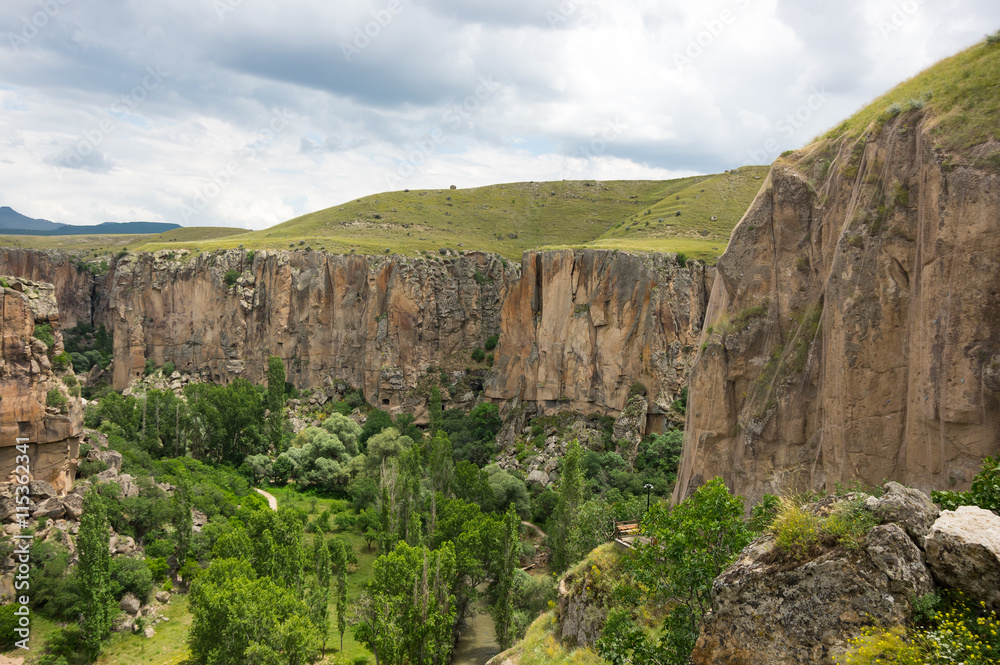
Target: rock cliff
[(74, 285), (26, 377), (851, 332), (580, 328), (577, 329)]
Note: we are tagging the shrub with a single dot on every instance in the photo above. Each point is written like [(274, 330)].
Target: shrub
[(132, 576), (250, 256), (491, 342), (43, 333), (70, 380), (55, 399), (993, 38), (61, 362), (985, 491), (637, 389), (478, 355), (681, 259), (168, 368), (230, 277), (150, 367), (795, 529)]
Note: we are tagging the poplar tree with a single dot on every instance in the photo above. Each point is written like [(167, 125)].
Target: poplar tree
[(570, 498), (275, 402), (95, 573), (503, 610), (319, 599)]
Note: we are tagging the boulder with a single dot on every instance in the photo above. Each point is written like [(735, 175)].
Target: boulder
[(51, 508), (42, 490), (538, 477), (767, 608), (112, 458), (963, 551), (130, 604), (911, 509), (149, 632), (163, 597), (73, 503)]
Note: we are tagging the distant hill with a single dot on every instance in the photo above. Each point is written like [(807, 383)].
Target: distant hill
[(12, 219), (14, 223)]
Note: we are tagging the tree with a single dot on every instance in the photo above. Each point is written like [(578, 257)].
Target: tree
[(688, 548), (434, 410), (240, 618), (95, 573), (570, 498), (231, 419), (441, 463), (340, 561), (319, 598), (378, 420), (275, 402), (503, 609)]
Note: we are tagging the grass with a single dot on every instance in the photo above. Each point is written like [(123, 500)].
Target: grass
[(168, 645), (962, 91), (506, 219), (540, 647)]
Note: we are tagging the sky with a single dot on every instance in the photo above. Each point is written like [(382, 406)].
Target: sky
[(247, 113)]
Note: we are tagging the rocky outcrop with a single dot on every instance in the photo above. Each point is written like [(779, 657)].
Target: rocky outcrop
[(851, 332), (963, 551), (74, 283), (581, 327), (769, 607), (379, 323), (26, 378)]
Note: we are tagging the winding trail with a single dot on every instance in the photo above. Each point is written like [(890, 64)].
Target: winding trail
[(535, 527), (271, 501)]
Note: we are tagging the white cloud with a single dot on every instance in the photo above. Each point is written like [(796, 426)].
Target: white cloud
[(259, 115)]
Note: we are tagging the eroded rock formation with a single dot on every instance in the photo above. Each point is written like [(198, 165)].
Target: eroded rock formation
[(26, 377), (852, 330), (581, 327)]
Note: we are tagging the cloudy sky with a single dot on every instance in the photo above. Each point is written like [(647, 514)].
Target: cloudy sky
[(249, 112)]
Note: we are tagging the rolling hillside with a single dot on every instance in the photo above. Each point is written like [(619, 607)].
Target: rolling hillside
[(506, 219)]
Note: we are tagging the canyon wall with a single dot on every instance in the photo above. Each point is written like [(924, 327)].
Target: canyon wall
[(74, 284), (577, 331), (852, 332), (581, 327), (26, 377)]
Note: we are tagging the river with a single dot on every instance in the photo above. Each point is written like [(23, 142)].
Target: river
[(478, 643)]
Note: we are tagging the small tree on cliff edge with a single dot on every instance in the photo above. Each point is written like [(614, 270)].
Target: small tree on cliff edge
[(95, 573), (275, 402)]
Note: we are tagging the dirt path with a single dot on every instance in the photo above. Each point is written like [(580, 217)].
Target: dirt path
[(536, 528), (271, 501)]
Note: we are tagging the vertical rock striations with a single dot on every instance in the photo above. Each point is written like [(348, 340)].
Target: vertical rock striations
[(852, 332), (581, 327), (26, 378)]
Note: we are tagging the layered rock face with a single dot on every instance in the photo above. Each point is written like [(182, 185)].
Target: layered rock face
[(74, 286), (577, 330), (372, 322), (851, 333), (580, 327), (26, 377)]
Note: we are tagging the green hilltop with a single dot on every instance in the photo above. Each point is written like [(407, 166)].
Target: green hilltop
[(506, 219)]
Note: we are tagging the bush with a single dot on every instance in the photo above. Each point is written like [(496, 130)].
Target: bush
[(61, 362), (43, 332), (478, 355), (230, 277), (491, 342), (797, 529), (8, 622), (985, 491), (682, 259), (168, 368), (150, 367), (637, 389), (55, 399)]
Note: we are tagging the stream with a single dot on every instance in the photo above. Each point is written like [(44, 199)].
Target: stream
[(478, 643)]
